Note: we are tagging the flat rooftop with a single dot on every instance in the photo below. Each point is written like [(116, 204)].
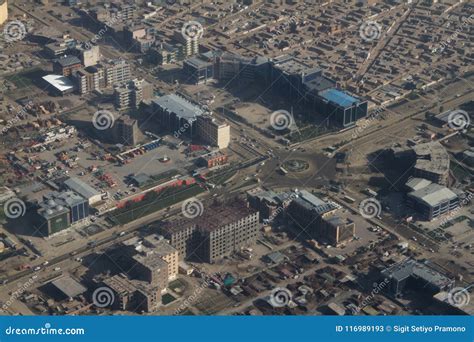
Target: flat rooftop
[(69, 286), (179, 106), (292, 66), (83, 189), (432, 157), (433, 194), (339, 97), (408, 268)]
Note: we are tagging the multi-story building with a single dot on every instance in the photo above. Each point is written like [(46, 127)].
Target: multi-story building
[(115, 72), (182, 235), (237, 227), (125, 131), (87, 80), (265, 201), (3, 11), (285, 75), (432, 162), (67, 65), (89, 55), (77, 205), (429, 161), (336, 229), (416, 276), (199, 69), (432, 201), (207, 239), (167, 252), (319, 219), (213, 132), (231, 67), (131, 94), (133, 295), (85, 190), (150, 267), (190, 44), (139, 38), (177, 114), (52, 217)]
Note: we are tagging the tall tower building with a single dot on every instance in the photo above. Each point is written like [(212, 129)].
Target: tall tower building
[(3, 11)]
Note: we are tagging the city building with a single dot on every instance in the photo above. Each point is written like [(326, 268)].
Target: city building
[(182, 235), (320, 220), (416, 276), (432, 162), (3, 11), (213, 132), (59, 85), (207, 239), (52, 217), (237, 227), (199, 69), (77, 205), (85, 190), (166, 252), (432, 201), (130, 94), (66, 65), (265, 201), (336, 229), (285, 75), (89, 54), (190, 44), (115, 72), (125, 131), (151, 268), (248, 69), (165, 54), (87, 80), (132, 295), (213, 159), (175, 113), (139, 37)]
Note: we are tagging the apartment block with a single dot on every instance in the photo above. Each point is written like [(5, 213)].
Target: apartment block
[(213, 132)]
